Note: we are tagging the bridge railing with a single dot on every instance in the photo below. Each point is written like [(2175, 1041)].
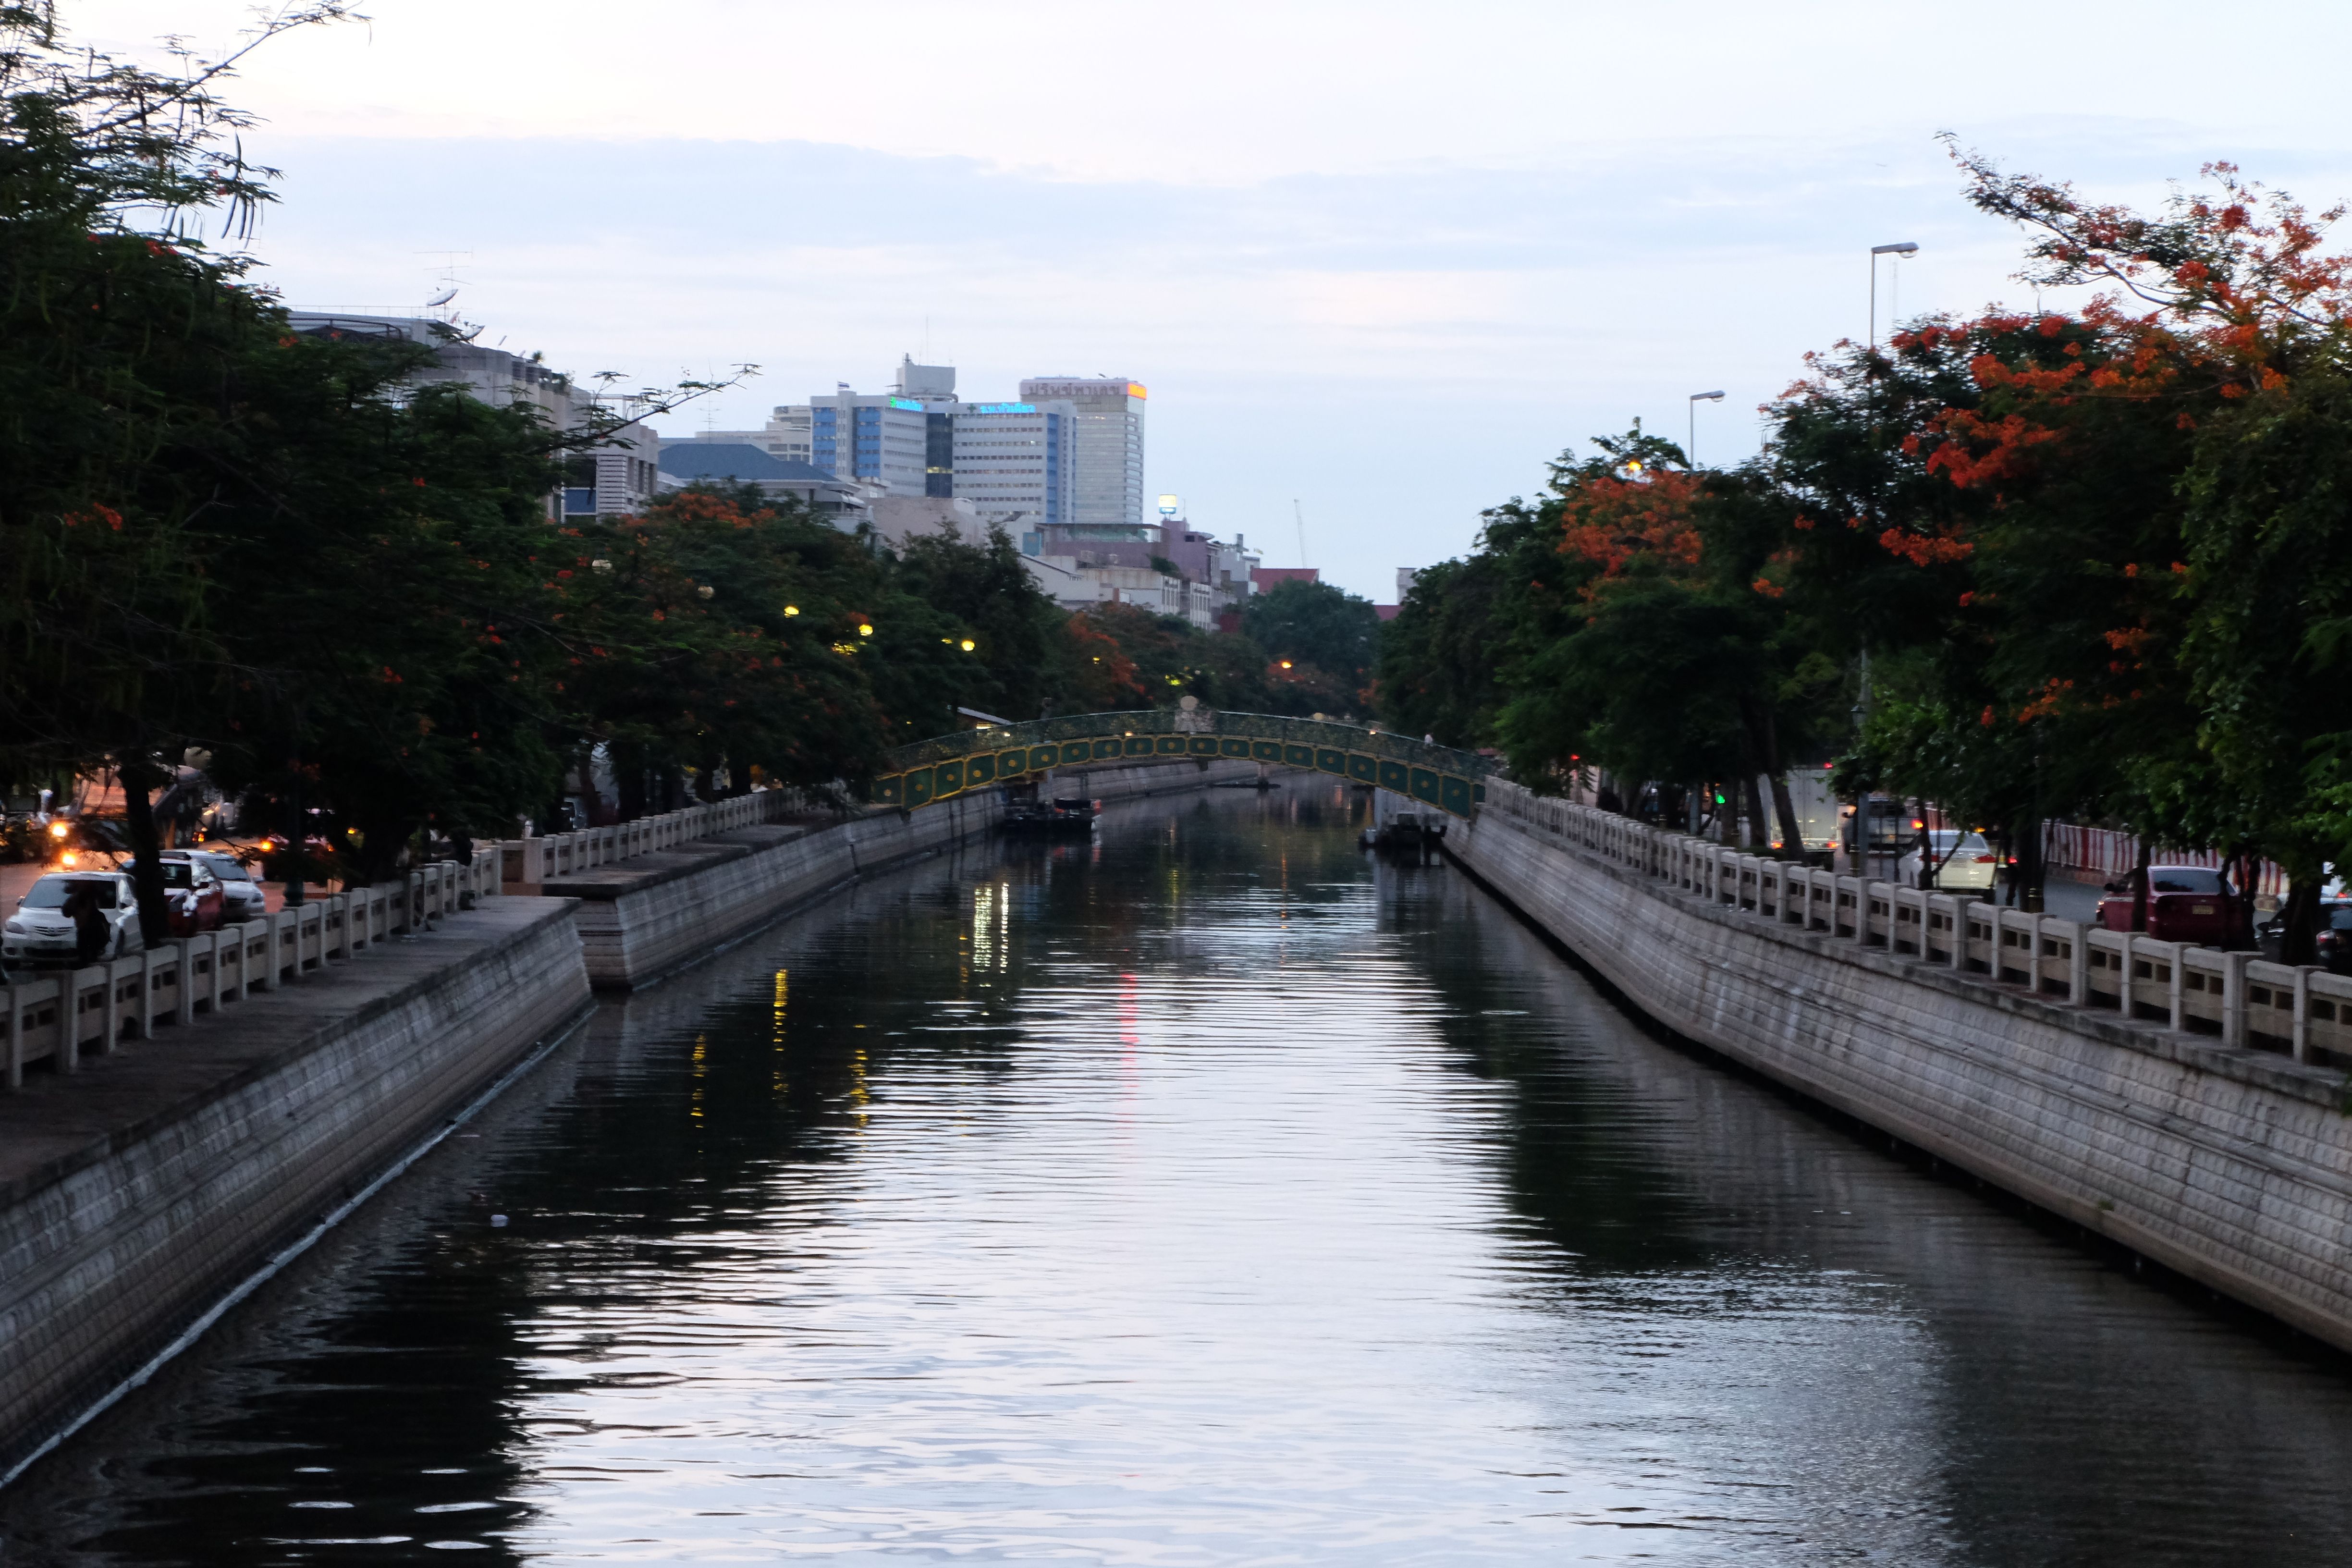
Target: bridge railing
[(63, 1015), (947, 766), (1155, 721), (2303, 1011)]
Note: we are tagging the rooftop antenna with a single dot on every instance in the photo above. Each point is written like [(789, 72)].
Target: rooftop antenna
[(1299, 516), (446, 274)]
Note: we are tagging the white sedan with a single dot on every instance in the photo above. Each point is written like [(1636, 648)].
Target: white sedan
[(1963, 860), (40, 932)]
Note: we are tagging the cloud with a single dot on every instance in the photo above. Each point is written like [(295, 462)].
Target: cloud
[(1396, 349)]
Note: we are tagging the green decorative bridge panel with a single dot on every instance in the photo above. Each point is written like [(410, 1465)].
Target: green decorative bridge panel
[(949, 765)]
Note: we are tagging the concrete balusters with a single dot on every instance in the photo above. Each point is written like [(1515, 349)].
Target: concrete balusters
[(64, 1015)]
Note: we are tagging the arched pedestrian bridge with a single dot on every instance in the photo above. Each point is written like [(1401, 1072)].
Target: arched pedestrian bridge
[(949, 765)]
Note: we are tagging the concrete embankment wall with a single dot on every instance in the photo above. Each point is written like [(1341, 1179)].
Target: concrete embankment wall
[(2229, 1164), (135, 1193), (641, 919)]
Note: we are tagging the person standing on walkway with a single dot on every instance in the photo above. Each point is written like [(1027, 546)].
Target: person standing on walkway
[(89, 922)]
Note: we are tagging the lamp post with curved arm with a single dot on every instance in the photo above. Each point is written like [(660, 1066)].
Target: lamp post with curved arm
[(1900, 248), (1690, 452)]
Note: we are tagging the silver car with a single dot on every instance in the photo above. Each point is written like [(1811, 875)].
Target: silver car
[(41, 932), (242, 897)]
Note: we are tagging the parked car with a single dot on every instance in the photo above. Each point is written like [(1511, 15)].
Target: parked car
[(42, 932), (2333, 940), (192, 894), (320, 863), (242, 898), (1964, 860), (2185, 903)]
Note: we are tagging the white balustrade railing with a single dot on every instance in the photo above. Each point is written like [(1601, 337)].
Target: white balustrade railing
[(535, 860), (63, 1015), (2305, 1012)]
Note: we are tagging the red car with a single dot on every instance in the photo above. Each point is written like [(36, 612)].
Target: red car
[(192, 894), (2185, 903)]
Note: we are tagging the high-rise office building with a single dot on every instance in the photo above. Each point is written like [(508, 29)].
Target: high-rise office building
[(881, 437), (1068, 455), (1108, 431), (1016, 463), (933, 386)]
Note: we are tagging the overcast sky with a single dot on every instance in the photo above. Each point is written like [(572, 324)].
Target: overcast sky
[(1380, 260)]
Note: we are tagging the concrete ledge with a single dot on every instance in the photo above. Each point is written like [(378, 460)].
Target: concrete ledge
[(2230, 1166), (137, 1191)]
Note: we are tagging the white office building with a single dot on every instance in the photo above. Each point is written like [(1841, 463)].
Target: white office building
[(1107, 436), (1016, 463), (879, 438)]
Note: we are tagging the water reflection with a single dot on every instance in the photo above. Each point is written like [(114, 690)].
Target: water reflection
[(1209, 1194)]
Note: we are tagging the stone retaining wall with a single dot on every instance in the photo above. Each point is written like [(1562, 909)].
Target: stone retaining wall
[(2231, 1164), (134, 1194)]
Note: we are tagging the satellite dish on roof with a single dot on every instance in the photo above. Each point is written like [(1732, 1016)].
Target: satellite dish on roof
[(443, 298)]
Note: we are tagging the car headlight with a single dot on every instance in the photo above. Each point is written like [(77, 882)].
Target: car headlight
[(16, 928)]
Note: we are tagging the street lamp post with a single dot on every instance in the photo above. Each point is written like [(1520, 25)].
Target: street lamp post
[(1691, 451), (1900, 248)]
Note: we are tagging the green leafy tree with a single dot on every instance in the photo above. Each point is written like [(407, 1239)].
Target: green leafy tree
[(1323, 644), (118, 333), (1438, 674), (1015, 627)]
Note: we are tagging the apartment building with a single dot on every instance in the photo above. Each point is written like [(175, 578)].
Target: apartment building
[(617, 476)]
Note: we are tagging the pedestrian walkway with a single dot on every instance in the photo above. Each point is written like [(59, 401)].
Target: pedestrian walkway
[(57, 1116)]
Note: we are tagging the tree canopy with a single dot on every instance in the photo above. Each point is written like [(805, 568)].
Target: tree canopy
[(2092, 562), (343, 582), (1322, 643)]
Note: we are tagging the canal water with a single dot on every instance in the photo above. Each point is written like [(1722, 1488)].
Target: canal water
[(1206, 1195)]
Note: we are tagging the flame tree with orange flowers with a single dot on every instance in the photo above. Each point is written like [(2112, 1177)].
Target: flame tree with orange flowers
[(2098, 560), (1616, 623), (2154, 567)]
